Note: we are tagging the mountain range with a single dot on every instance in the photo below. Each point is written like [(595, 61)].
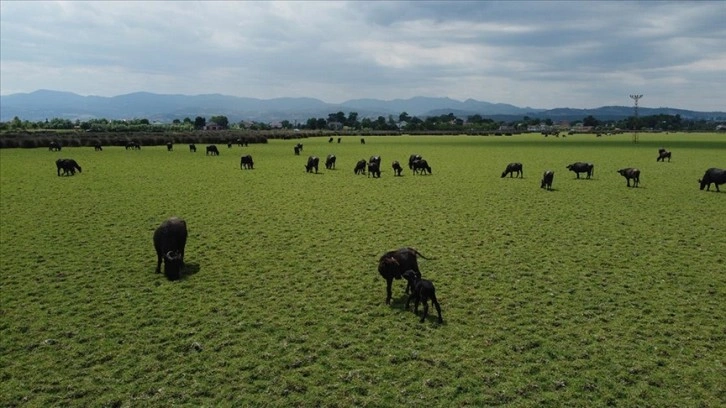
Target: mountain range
[(47, 104)]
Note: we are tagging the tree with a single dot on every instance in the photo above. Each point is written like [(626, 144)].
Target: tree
[(404, 117), (220, 120), (590, 121), (200, 122)]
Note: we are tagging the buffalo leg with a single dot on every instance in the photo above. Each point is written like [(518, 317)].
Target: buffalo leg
[(158, 263), (438, 308), (425, 311), (389, 295)]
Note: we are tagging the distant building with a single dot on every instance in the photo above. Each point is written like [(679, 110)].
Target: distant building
[(213, 126)]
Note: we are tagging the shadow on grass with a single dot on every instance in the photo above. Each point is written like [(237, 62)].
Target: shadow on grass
[(190, 269), (400, 304)]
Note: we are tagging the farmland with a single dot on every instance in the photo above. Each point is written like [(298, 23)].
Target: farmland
[(592, 294)]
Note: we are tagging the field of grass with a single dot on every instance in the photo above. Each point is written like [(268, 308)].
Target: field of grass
[(593, 294)]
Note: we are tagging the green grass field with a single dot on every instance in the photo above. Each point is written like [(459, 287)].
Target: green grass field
[(593, 294)]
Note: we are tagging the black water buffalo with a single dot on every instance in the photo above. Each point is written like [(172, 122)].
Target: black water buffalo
[(513, 168), (330, 140), (375, 159), (69, 167), (374, 169), (412, 158), (229, 145), (245, 162), (362, 141), (421, 166), (360, 167), (54, 147), (192, 147), (97, 146), (631, 173), (297, 150), (299, 146), (330, 161), (715, 176), (170, 238), (212, 149), (397, 169), (663, 154), (421, 291), (169, 146), (393, 264), (312, 164), (133, 145), (547, 179), (580, 167), (338, 140)]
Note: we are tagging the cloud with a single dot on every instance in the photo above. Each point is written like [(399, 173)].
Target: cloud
[(539, 54)]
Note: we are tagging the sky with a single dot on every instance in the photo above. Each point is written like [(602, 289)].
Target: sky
[(578, 54)]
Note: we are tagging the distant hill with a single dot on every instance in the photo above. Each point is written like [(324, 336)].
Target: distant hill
[(46, 104)]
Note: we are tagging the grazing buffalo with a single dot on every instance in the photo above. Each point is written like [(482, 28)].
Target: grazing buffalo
[(330, 161), (312, 164), (229, 145), (69, 167), (663, 154), (393, 264), (212, 149), (245, 162), (397, 168), (580, 167), (513, 168), (54, 147), (421, 166), (192, 148), (299, 147), (412, 158), (330, 140), (169, 146), (360, 167), (421, 290), (170, 238), (631, 173), (362, 141), (374, 169), (547, 179), (97, 146), (297, 151), (715, 176), (338, 140), (133, 145)]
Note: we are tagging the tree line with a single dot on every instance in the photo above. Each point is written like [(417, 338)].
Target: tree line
[(340, 121)]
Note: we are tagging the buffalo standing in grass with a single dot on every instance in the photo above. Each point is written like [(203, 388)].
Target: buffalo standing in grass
[(312, 164), (133, 146), (170, 238), (54, 147), (513, 168), (169, 146), (547, 178), (192, 148), (421, 166), (631, 173), (360, 167), (581, 167), (422, 290), (69, 167), (663, 154), (245, 162), (397, 169), (374, 169), (715, 176), (212, 149), (412, 158), (393, 264), (97, 146), (330, 161)]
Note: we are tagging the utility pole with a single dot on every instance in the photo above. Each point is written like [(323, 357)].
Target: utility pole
[(635, 98)]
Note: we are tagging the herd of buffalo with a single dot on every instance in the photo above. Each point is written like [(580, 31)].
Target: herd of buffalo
[(171, 236)]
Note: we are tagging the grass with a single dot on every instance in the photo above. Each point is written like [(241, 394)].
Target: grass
[(592, 294)]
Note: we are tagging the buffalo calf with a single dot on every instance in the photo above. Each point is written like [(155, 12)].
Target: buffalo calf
[(422, 291), (547, 178)]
